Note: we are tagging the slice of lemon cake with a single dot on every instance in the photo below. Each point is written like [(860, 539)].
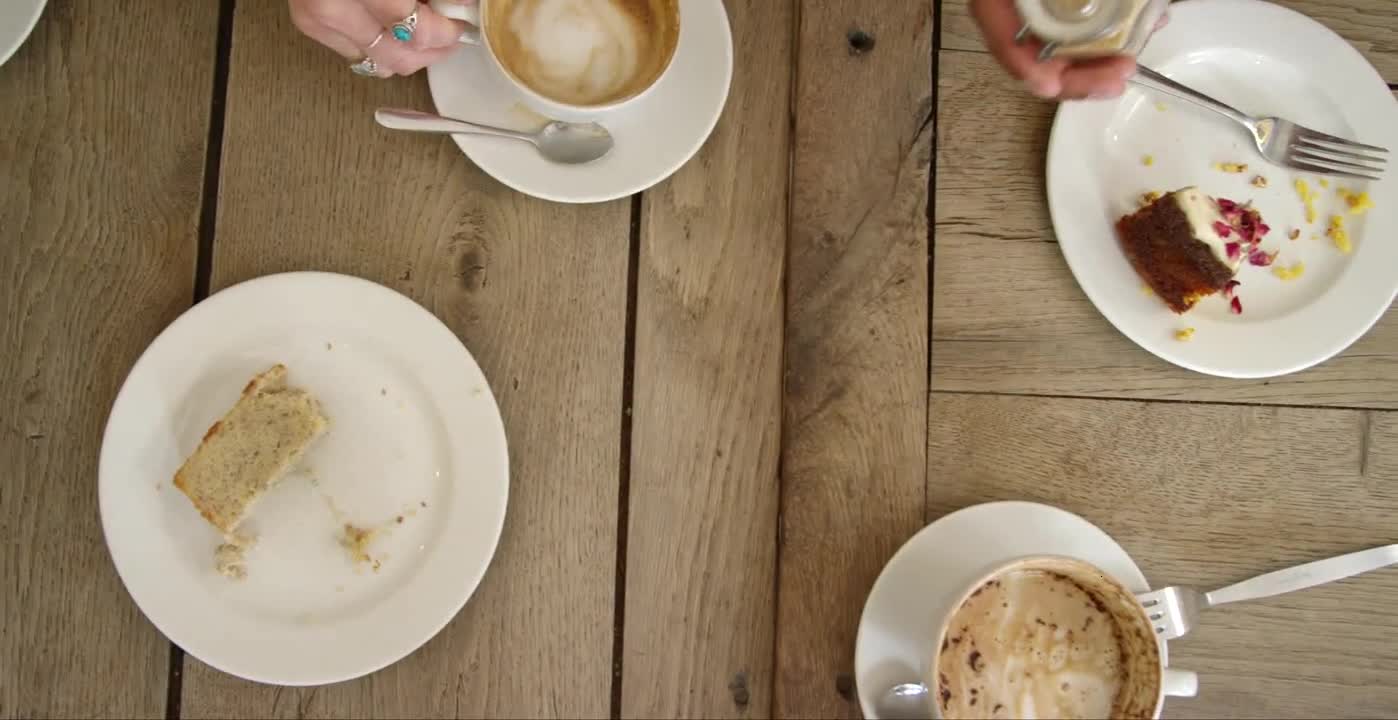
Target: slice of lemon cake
[(250, 448)]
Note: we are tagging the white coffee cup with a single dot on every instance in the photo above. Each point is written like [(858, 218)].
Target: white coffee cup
[(1120, 603), (478, 36)]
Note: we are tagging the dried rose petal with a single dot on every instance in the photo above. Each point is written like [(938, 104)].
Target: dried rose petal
[(1261, 258), (1228, 288), (1234, 250), (1222, 229), (1236, 306), (1224, 205), (1262, 229)]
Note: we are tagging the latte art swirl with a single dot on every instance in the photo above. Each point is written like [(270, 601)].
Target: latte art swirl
[(584, 52)]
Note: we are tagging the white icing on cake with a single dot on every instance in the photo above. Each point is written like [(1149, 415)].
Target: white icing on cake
[(1202, 212)]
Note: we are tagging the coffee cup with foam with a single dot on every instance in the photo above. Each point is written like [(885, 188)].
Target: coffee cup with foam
[(1049, 636), (574, 59)]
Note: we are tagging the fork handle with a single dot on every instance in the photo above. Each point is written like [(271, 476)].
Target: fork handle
[(1147, 78), (1304, 576)]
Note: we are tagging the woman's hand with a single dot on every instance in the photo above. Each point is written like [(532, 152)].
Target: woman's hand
[(1054, 78), (359, 29)]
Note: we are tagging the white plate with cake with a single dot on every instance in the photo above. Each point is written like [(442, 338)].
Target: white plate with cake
[(1307, 286), (303, 478)]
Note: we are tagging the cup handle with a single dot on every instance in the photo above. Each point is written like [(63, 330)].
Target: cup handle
[(1179, 683), (469, 14)]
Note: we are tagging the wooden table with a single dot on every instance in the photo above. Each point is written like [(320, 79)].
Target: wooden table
[(729, 399)]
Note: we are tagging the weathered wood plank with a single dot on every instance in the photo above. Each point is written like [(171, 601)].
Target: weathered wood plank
[(701, 547), (856, 339), (537, 291), (1207, 495), (100, 175), (1370, 25), (1018, 323)]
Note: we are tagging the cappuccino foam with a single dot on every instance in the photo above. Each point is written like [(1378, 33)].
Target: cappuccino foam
[(1028, 644), (584, 52)]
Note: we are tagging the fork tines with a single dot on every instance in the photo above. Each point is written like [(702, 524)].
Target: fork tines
[(1322, 153)]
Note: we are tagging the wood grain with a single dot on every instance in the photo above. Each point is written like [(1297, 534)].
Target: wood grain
[(701, 545), (99, 205), (856, 338), (1020, 324), (1207, 496), (1370, 25), (536, 291)]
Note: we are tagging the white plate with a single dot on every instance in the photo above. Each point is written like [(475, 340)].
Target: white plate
[(654, 135), (414, 432), (17, 20), (1267, 60), (927, 574)]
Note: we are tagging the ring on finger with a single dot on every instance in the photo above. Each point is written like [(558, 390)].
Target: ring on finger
[(366, 68), (403, 29)]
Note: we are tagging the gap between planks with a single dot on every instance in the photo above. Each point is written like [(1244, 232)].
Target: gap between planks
[(204, 255)]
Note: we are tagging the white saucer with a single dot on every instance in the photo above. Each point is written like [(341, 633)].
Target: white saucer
[(654, 136), (925, 576), (1263, 59), (17, 20), (414, 434)]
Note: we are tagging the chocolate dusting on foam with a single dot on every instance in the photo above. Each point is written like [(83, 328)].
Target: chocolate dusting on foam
[(974, 661)]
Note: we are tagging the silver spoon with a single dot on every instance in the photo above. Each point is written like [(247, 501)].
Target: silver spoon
[(908, 700), (561, 142)]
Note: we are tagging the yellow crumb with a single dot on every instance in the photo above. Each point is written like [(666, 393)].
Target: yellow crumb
[(1184, 334), (1162, 107), (1357, 202), (1259, 181), (1148, 160), (1145, 289), (1324, 183), (1296, 270), (1149, 197), (1231, 167), (1337, 234), (1307, 199)]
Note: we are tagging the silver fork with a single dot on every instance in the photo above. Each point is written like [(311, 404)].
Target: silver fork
[(1282, 141), (1175, 610)]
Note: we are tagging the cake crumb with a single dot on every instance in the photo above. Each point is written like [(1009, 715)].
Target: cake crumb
[(1259, 181), (1289, 273), (1295, 233), (1324, 183), (1231, 167), (1160, 106), (1307, 199), (356, 540), (1145, 290), (230, 559), (1338, 235), (1148, 160), (329, 346), (1149, 197), (1358, 202), (1184, 334)]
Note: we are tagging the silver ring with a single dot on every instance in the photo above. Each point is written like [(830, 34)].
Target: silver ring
[(366, 68), (377, 40), (403, 29)]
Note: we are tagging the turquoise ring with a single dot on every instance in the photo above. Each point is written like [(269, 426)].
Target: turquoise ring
[(403, 29)]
